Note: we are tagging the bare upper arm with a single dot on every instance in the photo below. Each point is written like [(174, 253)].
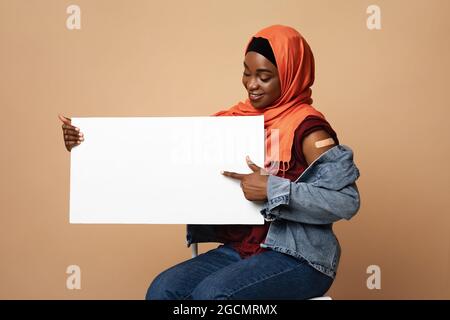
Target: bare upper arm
[(316, 143)]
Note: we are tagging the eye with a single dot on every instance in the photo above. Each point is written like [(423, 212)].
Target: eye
[(265, 80), (246, 74)]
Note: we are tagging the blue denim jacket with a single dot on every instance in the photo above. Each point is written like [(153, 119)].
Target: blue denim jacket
[(302, 213)]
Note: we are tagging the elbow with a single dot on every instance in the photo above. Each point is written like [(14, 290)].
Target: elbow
[(351, 205), (351, 209)]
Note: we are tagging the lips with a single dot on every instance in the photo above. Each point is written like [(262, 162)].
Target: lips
[(254, 96)]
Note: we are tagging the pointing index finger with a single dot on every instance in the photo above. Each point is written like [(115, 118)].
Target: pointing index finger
[(233, 175)]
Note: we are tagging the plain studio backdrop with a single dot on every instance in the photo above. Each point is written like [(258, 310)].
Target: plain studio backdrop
[(383, 91)]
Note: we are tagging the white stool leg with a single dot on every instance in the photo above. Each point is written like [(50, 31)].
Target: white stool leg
[(321, 298), (194, 247)]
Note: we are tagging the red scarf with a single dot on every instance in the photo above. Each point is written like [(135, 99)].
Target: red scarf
[(295, 63)]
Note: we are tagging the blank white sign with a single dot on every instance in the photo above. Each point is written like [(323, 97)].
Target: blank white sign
[(164, 170)]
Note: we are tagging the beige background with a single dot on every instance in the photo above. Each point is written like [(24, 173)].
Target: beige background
[(384, 92)]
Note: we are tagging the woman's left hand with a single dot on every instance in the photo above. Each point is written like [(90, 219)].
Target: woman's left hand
[(254, 185)]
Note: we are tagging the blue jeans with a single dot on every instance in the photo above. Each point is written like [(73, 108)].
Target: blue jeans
[(221, 274)]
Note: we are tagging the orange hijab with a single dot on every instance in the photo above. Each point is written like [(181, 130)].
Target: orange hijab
[(295, 64)]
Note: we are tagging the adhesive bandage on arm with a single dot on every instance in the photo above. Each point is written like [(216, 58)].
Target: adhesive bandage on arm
[(324, 143)]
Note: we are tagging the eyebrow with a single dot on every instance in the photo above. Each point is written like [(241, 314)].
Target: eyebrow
[(259, 70)]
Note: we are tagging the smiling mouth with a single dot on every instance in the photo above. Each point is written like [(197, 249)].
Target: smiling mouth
[(255, 96)]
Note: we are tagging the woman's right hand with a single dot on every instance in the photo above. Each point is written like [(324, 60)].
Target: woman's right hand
[(72, 135)]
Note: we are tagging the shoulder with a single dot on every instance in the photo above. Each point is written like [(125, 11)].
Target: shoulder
[(316, 143), (315, 136)]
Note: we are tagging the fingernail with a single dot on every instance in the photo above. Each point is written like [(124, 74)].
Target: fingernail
[(78, 129), (221, 172)]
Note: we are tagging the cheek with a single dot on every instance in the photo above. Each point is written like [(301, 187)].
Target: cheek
[(244, 82), (274, 90)]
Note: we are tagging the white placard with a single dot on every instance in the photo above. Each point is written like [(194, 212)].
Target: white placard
[(164, 170)]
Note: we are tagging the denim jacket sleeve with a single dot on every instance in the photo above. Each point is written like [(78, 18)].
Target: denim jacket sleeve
[(325, 196)]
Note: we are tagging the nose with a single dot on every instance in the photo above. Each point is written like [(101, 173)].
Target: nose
[(252, 84)]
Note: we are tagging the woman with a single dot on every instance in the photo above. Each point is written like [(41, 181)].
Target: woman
[(295, 254)]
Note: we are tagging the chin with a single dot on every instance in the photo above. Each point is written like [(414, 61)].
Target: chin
[(257, 106)]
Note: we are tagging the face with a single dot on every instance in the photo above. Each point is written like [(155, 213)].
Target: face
[(261, 80)]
